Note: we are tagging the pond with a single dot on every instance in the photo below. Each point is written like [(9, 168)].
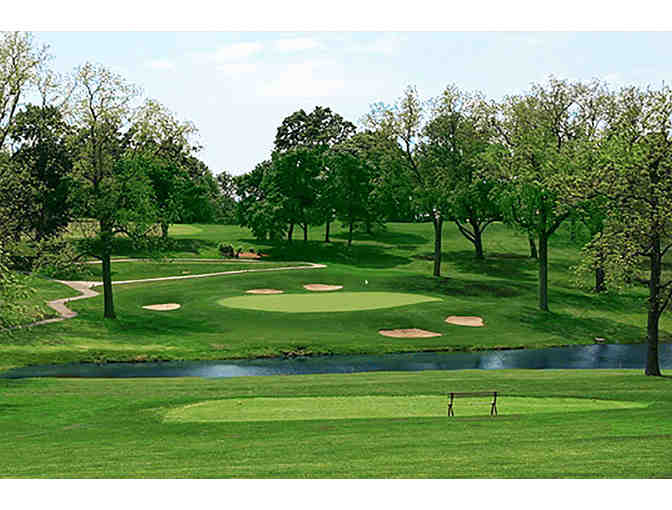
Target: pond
[(574, 357)]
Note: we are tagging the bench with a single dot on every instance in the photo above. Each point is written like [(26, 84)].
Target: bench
[(493, 404)]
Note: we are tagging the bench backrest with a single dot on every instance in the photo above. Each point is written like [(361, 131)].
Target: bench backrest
[(473, 393)]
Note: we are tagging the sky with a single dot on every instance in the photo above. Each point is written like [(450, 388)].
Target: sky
[(237, 87)]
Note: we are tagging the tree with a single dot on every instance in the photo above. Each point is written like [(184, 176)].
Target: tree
[(352, 184), (635, 182), (158, 135), (543, 141), (113, 187), (292, 183), (255, 210), (315, 132), (454, 139), (39, 137), (12, 293), (404, 123), (226, 202), (20, 64)]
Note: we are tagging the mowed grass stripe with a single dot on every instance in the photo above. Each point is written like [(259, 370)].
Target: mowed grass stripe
[(327, 302), (368, 407)]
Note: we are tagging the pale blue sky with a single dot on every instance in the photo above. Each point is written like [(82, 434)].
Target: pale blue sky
[(238, 86)]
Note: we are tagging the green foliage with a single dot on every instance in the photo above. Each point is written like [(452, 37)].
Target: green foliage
[(13, 291), (39, 138)]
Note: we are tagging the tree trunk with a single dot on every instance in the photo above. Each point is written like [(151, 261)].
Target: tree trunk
[(164, 230), (305, 233), (543, 272), (599, 279), (367, 224), (478, 240), (290, 232), (350, 233), (438, 224), (106, 239), (326, 232), (533, 247), (652, 366)]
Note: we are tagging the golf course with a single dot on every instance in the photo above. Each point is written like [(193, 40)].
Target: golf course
[(550, 423)]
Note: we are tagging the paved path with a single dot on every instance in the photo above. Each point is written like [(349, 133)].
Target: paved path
[(86, 288)]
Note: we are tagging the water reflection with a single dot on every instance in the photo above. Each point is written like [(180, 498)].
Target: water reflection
[(577, 357)]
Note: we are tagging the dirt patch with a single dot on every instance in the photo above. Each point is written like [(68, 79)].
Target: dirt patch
[(319, 287), (249, 255), (264, 291), (408, 333), (164, 307), (465, 321)]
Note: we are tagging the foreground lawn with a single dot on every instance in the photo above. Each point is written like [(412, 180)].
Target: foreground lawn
[(552, 424)]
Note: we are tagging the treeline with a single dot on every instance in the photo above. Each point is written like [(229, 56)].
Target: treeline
[(85, 151), (560, 151)]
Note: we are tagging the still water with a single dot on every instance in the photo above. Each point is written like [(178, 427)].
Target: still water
[(575, 357)]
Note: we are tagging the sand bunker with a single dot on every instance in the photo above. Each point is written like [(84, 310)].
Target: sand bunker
[(408, 333), (163, 307), (465, 321), (319, 287), (264, 291)]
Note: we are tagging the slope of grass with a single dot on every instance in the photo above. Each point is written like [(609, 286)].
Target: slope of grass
[(67, 428), (502, 289)]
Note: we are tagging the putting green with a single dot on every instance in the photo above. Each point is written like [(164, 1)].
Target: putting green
[(327, 302), (181, 230), (342, 408)]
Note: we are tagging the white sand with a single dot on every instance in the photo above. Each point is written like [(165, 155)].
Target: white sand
[(465, 321), (163, 307), (408, 333), (319, 287)]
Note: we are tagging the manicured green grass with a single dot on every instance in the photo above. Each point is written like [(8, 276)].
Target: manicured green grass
[(325, 302), (502, 289), (343, 408), (116, 428)]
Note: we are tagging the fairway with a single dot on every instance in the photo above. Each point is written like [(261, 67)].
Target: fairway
[(366, 407), (336, 302)]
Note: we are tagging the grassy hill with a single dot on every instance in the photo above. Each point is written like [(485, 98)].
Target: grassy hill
[(502, 289)]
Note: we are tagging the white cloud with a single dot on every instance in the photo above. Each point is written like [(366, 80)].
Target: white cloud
[(296, 44), (386, 44), (237, 51), (161, 64), (236, 68), (312, 78)]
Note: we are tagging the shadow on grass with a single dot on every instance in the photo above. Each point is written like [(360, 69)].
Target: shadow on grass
[(385, 237), (364, 256), (578, 328), (498, 265), (456, 287)]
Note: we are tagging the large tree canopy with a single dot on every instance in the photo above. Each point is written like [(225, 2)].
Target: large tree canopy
[(113, 187), (544, 140), (404, 123), (305, 138), (634, 180), (40, 146), (454, 140)]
